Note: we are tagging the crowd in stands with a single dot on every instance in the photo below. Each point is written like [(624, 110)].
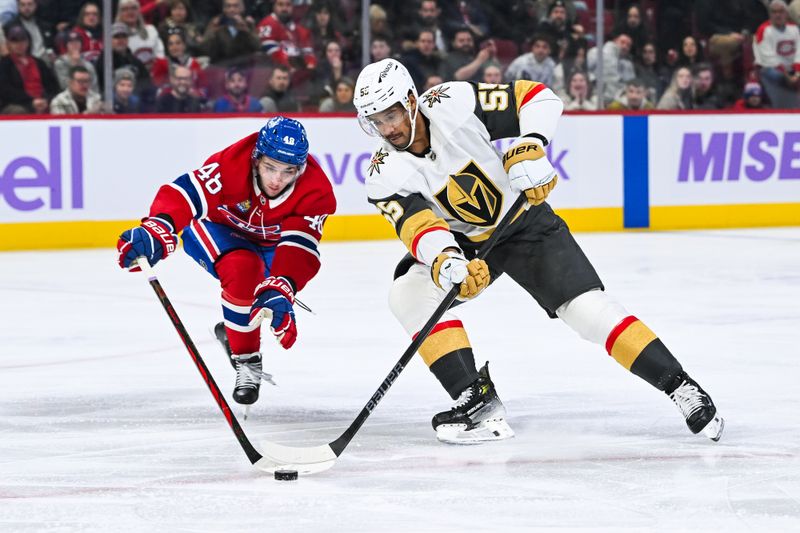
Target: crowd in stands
[(268, 56)]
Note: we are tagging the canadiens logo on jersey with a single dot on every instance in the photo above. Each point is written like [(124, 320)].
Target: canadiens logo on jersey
[(435, 95), (471, 197), (376, 161), (267, 233)]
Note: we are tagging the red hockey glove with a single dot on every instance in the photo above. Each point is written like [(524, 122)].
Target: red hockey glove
[(275, 298)]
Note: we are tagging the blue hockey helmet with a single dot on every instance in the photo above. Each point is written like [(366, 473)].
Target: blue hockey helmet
[(283, 139)]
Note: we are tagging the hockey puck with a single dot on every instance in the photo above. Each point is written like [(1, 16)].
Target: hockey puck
[(286, 475)]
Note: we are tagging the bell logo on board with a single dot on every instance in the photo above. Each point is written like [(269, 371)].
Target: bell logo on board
[(26, 181)]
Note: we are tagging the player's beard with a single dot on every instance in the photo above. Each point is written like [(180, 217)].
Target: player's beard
[(400, 143)]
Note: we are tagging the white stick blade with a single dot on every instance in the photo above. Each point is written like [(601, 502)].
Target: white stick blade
[(304, 460)]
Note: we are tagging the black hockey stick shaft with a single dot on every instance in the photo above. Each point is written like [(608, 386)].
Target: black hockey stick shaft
[(341, 443), (249, 450)]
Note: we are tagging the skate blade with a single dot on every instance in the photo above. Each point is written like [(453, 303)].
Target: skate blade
[(486, 431), (713, 429)]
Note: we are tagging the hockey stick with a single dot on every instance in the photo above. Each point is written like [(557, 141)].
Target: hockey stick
[(262, 462), (326, 454)]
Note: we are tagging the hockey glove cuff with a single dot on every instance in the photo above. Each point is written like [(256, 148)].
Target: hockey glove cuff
[(274, 299), (452, 268), (529, 170), (154, 239)]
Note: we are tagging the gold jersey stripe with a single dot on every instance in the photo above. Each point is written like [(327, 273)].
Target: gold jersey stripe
[(631, 342), (521, 89), (442, 343), (416, 224)]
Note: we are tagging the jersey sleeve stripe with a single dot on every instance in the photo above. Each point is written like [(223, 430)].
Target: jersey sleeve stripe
[(301, 234), (525, 90), (188, 186), (301, 240), (186, 196), (416, 225), (419, 235), (312, 251)]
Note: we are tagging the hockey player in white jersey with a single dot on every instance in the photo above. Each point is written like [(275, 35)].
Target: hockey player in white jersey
[(439, 180)]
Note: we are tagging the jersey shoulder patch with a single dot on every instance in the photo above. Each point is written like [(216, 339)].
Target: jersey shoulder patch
[(387, 172), (447, 100)]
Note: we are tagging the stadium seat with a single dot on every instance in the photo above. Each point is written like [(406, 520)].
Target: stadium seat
[(507, 51)]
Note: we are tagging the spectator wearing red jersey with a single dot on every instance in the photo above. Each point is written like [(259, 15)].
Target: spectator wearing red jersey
[(25, 80), (777, 54), (285, 41), (90, 29), (177, 55)]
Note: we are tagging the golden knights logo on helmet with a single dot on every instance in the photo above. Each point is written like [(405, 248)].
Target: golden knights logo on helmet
[(470, 196)]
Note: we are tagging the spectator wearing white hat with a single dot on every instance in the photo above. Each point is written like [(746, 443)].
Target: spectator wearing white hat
[(143, 40)]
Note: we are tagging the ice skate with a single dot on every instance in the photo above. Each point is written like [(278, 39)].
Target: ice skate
[(477, 416), (697, 407), (222, 337), (248, 377)]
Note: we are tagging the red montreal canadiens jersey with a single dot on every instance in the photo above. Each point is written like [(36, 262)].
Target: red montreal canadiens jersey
[(224, 191), (286, 42)]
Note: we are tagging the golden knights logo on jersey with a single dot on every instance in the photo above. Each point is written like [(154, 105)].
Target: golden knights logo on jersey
[(376, 161), (435, 95), (471, 197)]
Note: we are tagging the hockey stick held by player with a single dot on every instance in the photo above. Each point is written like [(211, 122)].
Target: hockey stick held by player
[(438, 179), (252, 216)]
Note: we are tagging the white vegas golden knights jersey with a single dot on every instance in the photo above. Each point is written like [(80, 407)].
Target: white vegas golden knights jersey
[(459, 184)]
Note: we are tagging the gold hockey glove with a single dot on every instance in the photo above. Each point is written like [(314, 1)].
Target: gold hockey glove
[(529, 170), (452, 268)]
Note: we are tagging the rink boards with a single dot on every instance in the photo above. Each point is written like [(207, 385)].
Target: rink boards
[(75, 183)]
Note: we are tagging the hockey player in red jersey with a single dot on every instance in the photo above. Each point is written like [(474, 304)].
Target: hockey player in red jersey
[(438, 179), (252, 216)]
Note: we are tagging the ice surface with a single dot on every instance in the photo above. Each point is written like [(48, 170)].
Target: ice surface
[(105, 425)]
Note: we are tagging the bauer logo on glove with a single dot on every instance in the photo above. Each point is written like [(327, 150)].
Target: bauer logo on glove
[(529, 170), (274, 299), (154, 239)]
